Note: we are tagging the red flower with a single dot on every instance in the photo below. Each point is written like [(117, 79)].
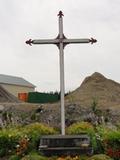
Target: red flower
[(110, 152)]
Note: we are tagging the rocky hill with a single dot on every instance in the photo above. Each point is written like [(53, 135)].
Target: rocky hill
[(97, 88)]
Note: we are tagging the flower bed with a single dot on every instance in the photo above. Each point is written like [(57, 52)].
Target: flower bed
[(22, 139)]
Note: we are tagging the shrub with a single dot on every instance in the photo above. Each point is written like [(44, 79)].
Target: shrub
[(34, 131), (83, 127), (80, 127), (11, 137), (110, 141), (14, 157), (2, 152), (8, 141), (34, 156), (42, 129), (100, 157), (111, 144), (22, 147), (69, 158)]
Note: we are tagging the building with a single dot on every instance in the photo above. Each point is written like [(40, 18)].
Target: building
[(16, 85)]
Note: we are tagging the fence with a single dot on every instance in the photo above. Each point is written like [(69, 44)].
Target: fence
[(37, 97)]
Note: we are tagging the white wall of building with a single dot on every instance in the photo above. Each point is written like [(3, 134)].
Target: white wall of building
[(15, 89)]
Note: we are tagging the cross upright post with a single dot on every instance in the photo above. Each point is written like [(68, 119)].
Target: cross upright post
[(62, 86), (61, 41)]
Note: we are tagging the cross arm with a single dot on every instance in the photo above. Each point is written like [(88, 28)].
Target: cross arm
[(85, 40), (42, 41)]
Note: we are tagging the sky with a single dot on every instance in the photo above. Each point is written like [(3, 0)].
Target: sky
[(21, 20)]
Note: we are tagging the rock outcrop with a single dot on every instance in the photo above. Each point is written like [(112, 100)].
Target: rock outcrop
[(97, 100)]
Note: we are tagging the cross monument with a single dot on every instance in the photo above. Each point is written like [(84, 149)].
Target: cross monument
[(61, 41)]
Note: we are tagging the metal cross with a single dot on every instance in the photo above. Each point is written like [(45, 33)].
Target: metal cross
[(61, 41)]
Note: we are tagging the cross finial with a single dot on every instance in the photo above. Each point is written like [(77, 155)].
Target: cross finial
[(92, 40), (29, 42), (60, 14)]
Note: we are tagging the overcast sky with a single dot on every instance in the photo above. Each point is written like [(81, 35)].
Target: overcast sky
[(21, 20)]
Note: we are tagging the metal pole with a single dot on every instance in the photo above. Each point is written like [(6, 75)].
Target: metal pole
[(62, 90)]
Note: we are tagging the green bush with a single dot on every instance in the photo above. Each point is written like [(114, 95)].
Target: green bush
[(83, 127), (34, 131), (80, 127), (109, 140), (2, 152), (111, 144), (8, 142), (100, 157), (10, 137), (113, 139), (34, 156), (14, 157)]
